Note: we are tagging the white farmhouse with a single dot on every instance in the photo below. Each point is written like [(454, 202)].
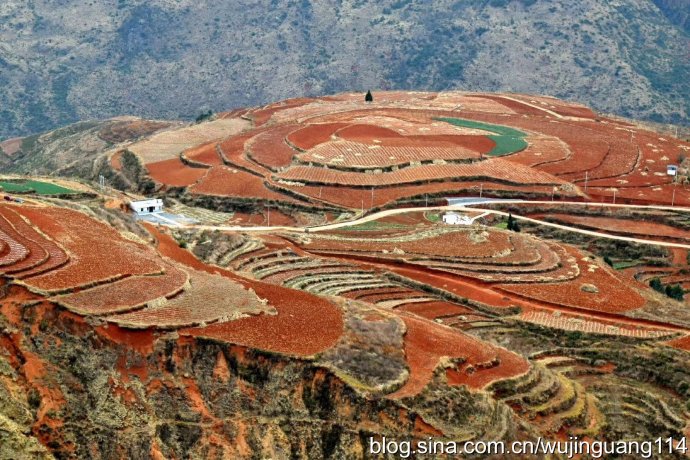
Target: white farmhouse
[(672, 170), (147, 206), (453, 218)]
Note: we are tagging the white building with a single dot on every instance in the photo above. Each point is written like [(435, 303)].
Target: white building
[(147, 206), (453, 218), (672, 170)]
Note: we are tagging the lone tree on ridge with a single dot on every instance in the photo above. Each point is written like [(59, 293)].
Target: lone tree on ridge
[(368, 97)]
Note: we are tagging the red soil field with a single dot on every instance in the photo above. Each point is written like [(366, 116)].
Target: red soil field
[(98, 255), (563, 108), (262, 116), (288, 332), (116, 161), (509, 365), (590, 325), (433, 310), (174, 173), (542, 150), (232, 152), (356, 197), (356, 155), (226, 181), (21, 240), (312, 135), (205, 154), (366, 133), (621, 226), (427, 342), (14, 252), (457, 243), (208, 299), (615, 295), (127, 294), (517, 107), (269, 148), (682, 343), (492, 169), (56, 256)]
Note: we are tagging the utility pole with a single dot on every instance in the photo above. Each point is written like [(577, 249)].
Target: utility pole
[(426, 200), (553, 192), (481, 189), (586, 179), (320, 190), (673, 197), (362, 206), (614, 195), (268, 219), (372, 198)]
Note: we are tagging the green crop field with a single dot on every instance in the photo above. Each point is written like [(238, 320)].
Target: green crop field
[(29, 186), (508, 140)]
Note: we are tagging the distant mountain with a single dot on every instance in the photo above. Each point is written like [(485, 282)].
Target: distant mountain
[(66, 61)]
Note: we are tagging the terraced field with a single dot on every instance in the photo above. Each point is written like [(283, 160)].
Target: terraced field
[(501, 329)]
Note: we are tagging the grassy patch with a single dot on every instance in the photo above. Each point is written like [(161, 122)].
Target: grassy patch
[(29, 186), (508, 140), (432, 216), (622, 264), (502, 225), (376, 225)]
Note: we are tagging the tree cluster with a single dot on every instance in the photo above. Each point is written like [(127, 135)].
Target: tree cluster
[(673, 291)]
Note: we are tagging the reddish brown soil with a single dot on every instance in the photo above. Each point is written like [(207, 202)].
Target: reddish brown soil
[(366, 133), (494, 168), (623, 226), (126, 294), (205, 154), (262, 116), (289, 332), (116, 161), (446, 245), (433, 310), (226, 181), (269, 148), (174, 173), (97, 255), (615, 295), (312, 135), (682, 343), (356, 197), (427, 342)]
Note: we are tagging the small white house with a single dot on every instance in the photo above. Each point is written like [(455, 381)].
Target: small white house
[(672, 170), (147, 206), (453, 218)]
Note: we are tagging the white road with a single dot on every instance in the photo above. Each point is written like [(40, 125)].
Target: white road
[(471, 205)]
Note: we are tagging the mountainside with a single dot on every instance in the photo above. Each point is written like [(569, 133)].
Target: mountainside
[(65, 62), (307, 293)]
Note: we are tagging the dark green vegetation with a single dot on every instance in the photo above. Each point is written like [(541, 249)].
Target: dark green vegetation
[(33, 186), (674, 291), (508, 140), (170, 59), (512, 224), (618, 252)]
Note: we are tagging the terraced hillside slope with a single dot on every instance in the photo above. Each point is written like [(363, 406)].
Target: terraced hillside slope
[(163, 59), (295, 318), (337, 154)]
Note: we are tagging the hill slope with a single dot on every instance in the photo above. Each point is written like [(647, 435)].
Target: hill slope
[(174, 59)]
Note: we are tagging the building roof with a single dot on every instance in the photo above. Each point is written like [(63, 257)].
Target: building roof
[(146, 203)]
